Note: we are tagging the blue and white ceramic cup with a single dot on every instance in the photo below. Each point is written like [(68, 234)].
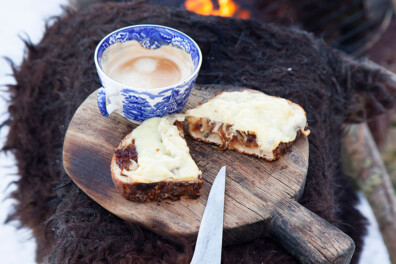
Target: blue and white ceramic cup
[(138, 104)]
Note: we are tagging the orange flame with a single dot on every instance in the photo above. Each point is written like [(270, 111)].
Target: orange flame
[(226, 8)]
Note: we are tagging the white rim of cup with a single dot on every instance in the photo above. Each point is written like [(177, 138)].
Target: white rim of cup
[(195, 72)]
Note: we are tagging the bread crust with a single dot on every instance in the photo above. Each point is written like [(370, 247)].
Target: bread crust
[(157, 191)]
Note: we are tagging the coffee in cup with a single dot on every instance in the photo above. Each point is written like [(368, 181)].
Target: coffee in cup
[(145, 71), (131, 64)]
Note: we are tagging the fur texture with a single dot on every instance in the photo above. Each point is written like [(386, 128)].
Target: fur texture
[(58, 74)]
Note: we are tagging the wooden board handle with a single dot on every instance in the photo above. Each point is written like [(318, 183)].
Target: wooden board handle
[(308, 237)]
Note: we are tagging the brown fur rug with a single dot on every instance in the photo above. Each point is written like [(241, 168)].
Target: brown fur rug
[(58, 74)]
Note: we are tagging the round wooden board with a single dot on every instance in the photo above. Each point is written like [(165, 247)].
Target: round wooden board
[(251, 182)]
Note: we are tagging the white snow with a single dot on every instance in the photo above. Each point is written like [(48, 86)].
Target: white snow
[(374, 250), (17, 18), (26, 18)]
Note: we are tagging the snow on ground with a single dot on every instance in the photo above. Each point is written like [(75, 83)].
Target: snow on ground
[(374, 250), (26, 18)]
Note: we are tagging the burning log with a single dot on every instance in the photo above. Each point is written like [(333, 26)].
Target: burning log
[(225, 8)]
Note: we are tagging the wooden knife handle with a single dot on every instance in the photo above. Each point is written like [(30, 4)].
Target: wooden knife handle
[(308, 237)]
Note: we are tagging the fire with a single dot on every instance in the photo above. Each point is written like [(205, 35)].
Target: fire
[(226, 8)]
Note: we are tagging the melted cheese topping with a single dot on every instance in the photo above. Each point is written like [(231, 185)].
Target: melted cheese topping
[(272, 119), (163, 155)]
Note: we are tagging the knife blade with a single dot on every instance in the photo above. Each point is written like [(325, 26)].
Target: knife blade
[(210, 234)]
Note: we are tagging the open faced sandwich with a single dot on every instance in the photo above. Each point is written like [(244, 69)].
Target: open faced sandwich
[(250, 122), (153, 163)]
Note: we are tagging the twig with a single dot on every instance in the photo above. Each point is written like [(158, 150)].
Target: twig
[(372, 177)]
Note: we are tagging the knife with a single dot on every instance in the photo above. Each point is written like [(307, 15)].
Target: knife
[(210, 234)]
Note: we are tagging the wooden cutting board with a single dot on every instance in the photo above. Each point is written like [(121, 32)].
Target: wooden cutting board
[(261, 196)]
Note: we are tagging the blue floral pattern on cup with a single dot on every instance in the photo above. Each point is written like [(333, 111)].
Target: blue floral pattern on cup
[(138, 104), (102, 102)]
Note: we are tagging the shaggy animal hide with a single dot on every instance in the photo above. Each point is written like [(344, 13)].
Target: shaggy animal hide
[(58, 74)]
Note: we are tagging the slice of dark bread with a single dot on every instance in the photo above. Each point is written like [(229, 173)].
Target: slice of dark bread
[(207, 127), (126, 159)]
